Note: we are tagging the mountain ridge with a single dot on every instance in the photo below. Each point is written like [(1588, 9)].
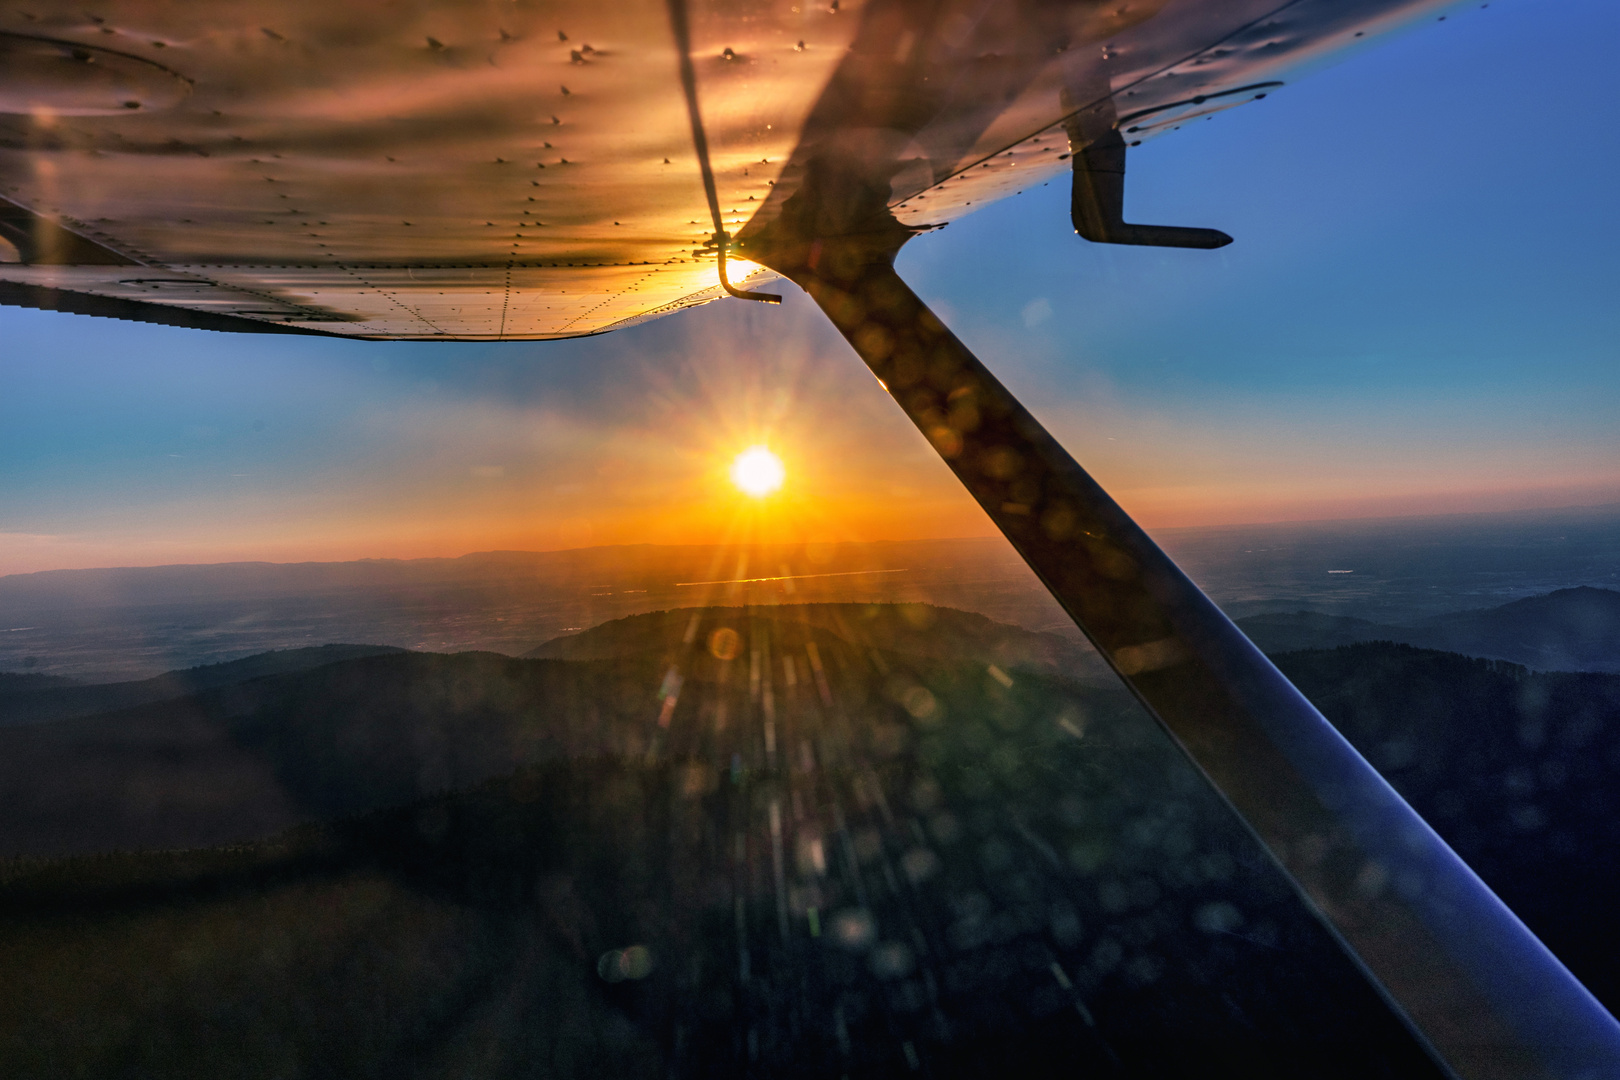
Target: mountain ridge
[(236, 761), (67, 699), (1576, 629), (922, 630)]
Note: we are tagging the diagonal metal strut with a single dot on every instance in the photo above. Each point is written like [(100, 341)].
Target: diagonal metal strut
[(1472, 982), (680, 27)]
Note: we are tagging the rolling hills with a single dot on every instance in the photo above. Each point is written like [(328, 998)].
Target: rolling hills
[(844, 838), (913, 629), (741, 846), (55, 698), (1565, 630)]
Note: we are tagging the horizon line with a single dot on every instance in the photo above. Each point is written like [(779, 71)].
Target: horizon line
[(1522, 512)]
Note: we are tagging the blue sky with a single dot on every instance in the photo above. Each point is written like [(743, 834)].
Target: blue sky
[(1418, 315), (1419, 298)]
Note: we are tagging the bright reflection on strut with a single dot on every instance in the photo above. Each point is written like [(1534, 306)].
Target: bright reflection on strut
[(757, 471)]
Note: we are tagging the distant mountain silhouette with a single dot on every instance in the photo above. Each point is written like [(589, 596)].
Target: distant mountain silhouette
[(62, 699), (246, 760), (136, 622), (923, 630), (1567, 630), (17, 682), (643, 564)]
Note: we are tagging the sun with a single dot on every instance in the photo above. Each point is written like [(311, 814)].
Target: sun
[(757, 472)]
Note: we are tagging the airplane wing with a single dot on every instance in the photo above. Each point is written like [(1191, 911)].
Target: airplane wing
[(482, 170)]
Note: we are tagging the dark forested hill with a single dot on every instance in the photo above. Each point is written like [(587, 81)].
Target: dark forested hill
[(241, 756), (1518, 770), (914, 629), (244, 761), (23, 702)]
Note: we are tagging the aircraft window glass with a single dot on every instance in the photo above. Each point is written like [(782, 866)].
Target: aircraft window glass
[(613, 706), (765, 830)]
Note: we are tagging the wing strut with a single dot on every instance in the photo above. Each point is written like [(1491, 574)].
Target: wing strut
[(700, 143), (1472, 982)]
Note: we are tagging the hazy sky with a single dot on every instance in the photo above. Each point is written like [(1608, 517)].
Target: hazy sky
[(1419, 315)]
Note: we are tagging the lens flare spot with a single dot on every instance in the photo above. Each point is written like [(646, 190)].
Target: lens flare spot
[(725, 643), (757, 472)]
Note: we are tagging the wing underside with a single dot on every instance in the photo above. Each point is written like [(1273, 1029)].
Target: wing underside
[(483, 171)]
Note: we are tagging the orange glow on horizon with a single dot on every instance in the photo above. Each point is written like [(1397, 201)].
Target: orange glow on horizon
[(730, 520), (654, 462)]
